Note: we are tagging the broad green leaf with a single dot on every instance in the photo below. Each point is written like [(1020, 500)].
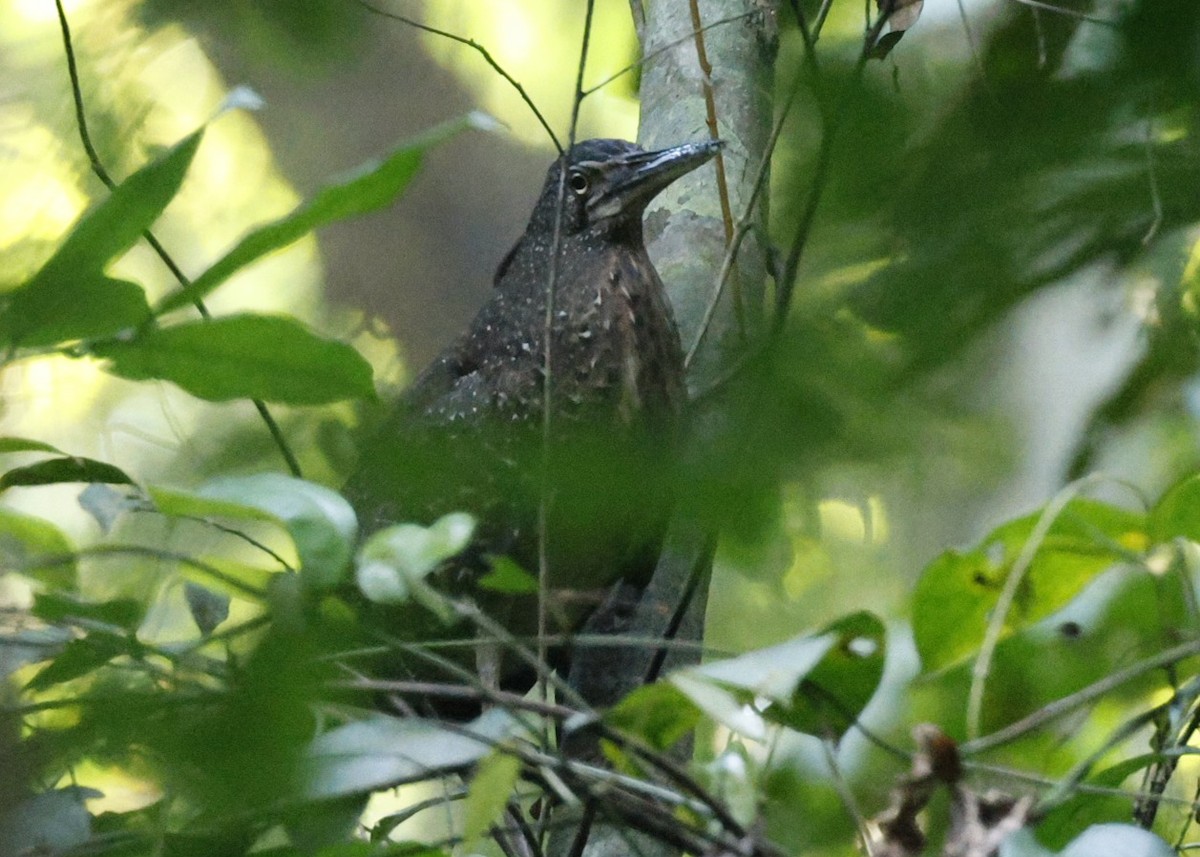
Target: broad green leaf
[(508, 577), (657, 713), (80, 657), (382, 752), (730, 708), (490, 791), (957, 591), (816, 683), (1177, 512), (273, 358), (320, 521), (70, 298), (85, 306), (367, 189), (36, 548), (836, 690), (24, 444), (58, 608), (54, 471)]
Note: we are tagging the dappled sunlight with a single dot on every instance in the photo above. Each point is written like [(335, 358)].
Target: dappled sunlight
[(143, 90), (537, 43)]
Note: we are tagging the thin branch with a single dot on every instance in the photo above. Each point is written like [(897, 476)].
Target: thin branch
[(674, 43), (710, 118), (1080, 698), (1008, 594), (1152, 178), (483, 52), (1070, 13), (547, 359), (743, 228), (98, 168)]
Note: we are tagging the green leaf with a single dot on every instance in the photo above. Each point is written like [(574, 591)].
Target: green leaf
[(58, 608), (490, 790), (1177, 512), (36, 548), (816, 683), (394, 562), (85, 306), (508, 577), (369, 188), (658, 713), (832, 695), (70, 298), (382, 752), (728, 707), (80, 657), (24, 444), (54, 471), (320, 521), (273, 358), (957, 592)]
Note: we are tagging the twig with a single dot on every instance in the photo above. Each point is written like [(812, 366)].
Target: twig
[(547, 360), (1080, 698), (483, 52), (674, 43), (98, 168), (743, 228), (1070, 13), (1008, 594)]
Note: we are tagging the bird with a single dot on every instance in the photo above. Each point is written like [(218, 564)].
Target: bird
[(471, 434)]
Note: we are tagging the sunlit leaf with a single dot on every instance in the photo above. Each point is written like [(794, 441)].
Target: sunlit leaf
[(508, 577), (393, 563), (385, 751), (957, 592), (70, 297), (490, 791), (1177, 512), (35, 547), (659, 714), (320, 521), (369, 188), (273, 358)]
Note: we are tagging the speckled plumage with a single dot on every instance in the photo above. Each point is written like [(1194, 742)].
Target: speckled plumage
[(468, 434)]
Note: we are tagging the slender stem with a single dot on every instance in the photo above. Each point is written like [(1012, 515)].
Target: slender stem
[(483, 52), (548, 362), (1008, 594), (98, 168), (674, 43), (1081, 698)]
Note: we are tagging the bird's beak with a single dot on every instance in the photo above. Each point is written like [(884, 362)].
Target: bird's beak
[(642, 176)]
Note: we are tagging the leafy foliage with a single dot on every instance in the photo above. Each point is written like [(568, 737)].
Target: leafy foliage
[(220, 645)]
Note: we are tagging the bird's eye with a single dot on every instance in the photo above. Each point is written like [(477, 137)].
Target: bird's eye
[(578, 183)]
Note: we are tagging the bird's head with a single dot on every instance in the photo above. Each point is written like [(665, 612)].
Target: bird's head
[(609, 182)]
